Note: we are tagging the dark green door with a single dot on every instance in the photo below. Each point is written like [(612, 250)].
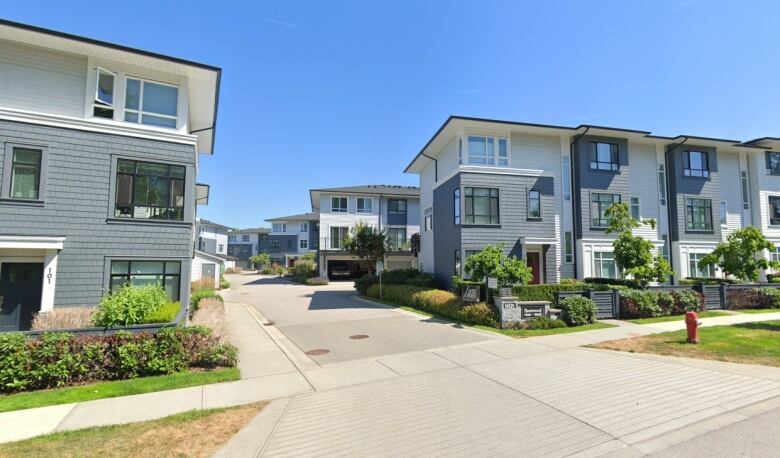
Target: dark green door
[(20, 289)]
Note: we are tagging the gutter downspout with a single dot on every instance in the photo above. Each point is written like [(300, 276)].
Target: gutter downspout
[(669, 217), (435, 167), (575, 196)]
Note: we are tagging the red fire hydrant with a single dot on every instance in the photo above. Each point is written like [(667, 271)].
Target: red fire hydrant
[(692, 323)]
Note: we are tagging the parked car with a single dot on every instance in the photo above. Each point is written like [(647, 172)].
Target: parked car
[(339, 270)]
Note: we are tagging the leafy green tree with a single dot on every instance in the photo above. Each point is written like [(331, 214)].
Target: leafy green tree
[(493, 263), (741, 255), (634, 254), (366, 243), (260, 260)]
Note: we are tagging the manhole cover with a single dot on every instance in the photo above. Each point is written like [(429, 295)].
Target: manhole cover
[(317, 352), (358, 337)]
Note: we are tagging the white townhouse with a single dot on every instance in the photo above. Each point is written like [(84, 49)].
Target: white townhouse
[(542, 190), (292, 237)]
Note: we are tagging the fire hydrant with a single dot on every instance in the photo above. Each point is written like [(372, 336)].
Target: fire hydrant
[(692, 323)]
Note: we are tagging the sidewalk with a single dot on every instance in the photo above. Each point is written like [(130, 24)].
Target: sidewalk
[(266, 374), (717, 321)]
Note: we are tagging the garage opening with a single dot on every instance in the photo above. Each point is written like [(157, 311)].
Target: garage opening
[(346, 270)]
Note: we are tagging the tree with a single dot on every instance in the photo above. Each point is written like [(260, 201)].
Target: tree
[(260, 260), (741, 255), (493, 263), (633, 254), (366, 243)]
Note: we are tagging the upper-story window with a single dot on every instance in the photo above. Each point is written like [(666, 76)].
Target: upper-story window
[(155, 104), (147, 190), (485, 150), (599, 203), (338, 235), (456, 209), (396, 207), (365, 205), (396, 238), (245, 238), (231, 238), (103, 106), (279, 227), (25, 173), (534, 204), (698, 214), (338, 204), (604, 156), (696, 164), (304, 227), (428, 225), (773, 163), (482, 206), (774, 210)]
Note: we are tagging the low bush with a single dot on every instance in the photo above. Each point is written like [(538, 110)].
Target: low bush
[(362, 283), (707, 281), (686, 300), (303, 269), (578, 310), (613, 282), (166, 314), (399, 276), (223, 283), (211, 314), (753, 298), (439, 302), (316, 281), (63, 318), (60, 359), (544, 292), (278, 270), (267, 271), (541, 322), (129, 305), (651, 303)]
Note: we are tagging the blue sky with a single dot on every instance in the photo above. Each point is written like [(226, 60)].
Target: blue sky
[(317, 94)]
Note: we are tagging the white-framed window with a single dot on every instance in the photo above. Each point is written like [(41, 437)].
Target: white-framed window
[(636, 211), (231, 238), (304, 227), (220, 248), (723, 213), (105, 90), (279, 227), (365, 205), (338, 204), (428, 224), (665, 247), (775, 255), (745, 192), (566, 169), (303, 244), (337, 236), (568, 247), (245, 238), (604, 264), (695, 269), (662, 184), (487, 150), (151, 103)]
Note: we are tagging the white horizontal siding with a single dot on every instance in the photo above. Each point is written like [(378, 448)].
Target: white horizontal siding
[(34, 79), (642, 163), (730, 192)]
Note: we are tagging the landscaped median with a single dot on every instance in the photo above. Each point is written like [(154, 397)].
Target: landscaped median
[(749, 343)]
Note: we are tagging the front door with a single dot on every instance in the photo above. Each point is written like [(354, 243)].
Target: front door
[(208, 271), (534, 262), (21, 285)]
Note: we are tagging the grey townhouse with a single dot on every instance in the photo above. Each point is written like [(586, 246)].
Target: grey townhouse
[(542, 190), (245, 243), (99, 148), (394, 209)]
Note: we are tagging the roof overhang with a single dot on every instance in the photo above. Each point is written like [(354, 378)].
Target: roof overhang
[(203, 80), (32, 242)]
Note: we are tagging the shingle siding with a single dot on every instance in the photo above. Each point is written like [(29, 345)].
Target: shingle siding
[(77, 206)]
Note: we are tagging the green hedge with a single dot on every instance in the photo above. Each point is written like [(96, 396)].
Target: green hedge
[(652, 303), (60, 359), (132, 305), (578, 310), (439, 302), (707, 281), (545, 292), (753, 298), (410, 277)]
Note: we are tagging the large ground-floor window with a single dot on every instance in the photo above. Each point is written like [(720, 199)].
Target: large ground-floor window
[(604, 264), (166, 274), (696, 269)]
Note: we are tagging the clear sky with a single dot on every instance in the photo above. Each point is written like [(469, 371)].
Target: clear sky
[(331, 93)]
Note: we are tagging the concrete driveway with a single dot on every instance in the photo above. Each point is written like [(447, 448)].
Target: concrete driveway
[(330, 325)]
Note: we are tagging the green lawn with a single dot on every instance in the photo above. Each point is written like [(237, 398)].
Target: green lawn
[(40, 398), (518, 333), (662, 319), (750, 343), (754, 311)]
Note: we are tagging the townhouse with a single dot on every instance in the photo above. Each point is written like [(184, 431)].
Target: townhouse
[(542, 190), (292, 237), (211, 251), (99, 147), (245, 243)]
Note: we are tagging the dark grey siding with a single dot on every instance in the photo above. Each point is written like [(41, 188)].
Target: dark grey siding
[(77, 202), (314, 234), (262, 243), (397, 219), (681, 187), (287, 244), (587, 181), (446, 234)]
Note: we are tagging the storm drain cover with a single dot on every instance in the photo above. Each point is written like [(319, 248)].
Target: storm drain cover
[(358, 337), (317, 352)]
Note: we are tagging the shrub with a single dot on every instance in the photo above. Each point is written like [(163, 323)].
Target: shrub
[(545, 292), (362, 283), (316, 281), (613, 282), (201, 285), (63, 318), (223, 283), (211, 314), (399, 276), (578, 310), (303, 269), (267, 271), (540, 322), (60, 359), (129, 305), (640, 304), (686, 300), (423, 280), (707, 281), (278, 270), (166, 314), (753, 298)]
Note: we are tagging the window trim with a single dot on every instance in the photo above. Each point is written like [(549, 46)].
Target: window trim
[(696, 272), (662, 184), (568, 247), (390, 247), (341, 239), (182, 273), (528, 204), (96, 102), (282, 228), (638, 207), (767, 161), (688, 227), (140, 111), (364, 212), (744, 182), (302, 242), (688, 171), (776, 222), (601, 261), (304, 227), (490, 161), (346, 208), (5, 192), (490, 197), (724, 213), (114, 188), (591, 214), (593, 157), (396, 212), (428, 219), (458, 207), (566, 177)]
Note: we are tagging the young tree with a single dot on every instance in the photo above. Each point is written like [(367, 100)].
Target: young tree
[(367, 244), (742, 254), (633, 254), (260, 260), (492, 262)]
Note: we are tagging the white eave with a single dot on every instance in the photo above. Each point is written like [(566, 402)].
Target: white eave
[(32, 242)]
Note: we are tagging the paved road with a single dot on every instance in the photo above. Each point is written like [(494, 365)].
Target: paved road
[(330, 325)]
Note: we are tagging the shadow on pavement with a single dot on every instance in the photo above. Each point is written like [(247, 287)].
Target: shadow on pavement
[(334, 300)]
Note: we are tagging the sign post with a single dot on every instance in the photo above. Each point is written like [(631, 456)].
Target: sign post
[(380, 267)]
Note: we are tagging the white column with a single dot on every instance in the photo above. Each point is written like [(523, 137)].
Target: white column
[(49, 280)]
